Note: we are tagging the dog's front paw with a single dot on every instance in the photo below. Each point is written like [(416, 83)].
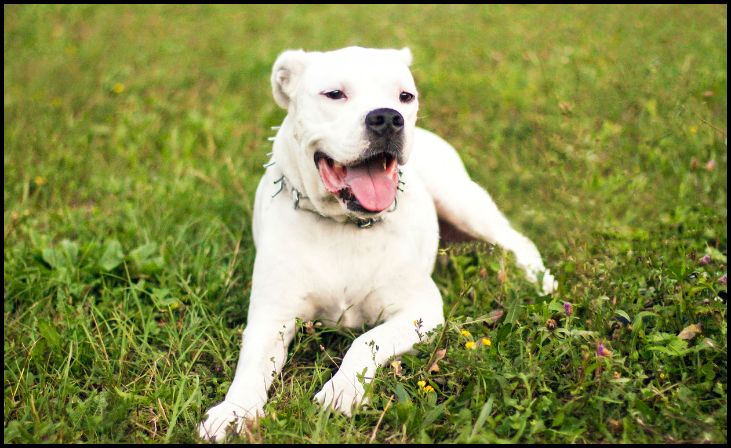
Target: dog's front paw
[(342, 394), (550, 284), (225, 415), (533, 273)]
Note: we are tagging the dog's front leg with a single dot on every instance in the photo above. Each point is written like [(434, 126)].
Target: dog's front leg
[(263, 352), (421, 312)]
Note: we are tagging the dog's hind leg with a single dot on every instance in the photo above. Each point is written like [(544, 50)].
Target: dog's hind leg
[(468, 207)]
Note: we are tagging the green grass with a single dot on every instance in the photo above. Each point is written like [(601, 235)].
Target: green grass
[(134, 138)]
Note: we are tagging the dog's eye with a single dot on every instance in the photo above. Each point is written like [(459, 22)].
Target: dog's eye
[(335, 94), (406, 97)]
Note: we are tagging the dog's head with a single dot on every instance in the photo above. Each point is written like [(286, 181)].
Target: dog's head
[(350, 124)]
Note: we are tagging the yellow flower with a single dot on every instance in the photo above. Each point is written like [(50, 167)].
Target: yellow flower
[(428, 389), (466, 333), (421, 384), (486, 342), (693, 129), (662, 375), (470, 345), (40, 181), (118, 88)]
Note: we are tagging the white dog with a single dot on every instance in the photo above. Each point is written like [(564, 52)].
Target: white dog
[(346, 230)]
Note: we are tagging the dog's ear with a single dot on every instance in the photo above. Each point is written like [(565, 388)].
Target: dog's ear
[(285, 75), (406, 55)]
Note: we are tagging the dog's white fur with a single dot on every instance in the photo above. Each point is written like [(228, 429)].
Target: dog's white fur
[(313, 263)]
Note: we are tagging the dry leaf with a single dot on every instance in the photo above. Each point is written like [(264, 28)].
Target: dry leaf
[(565, 107), (689, 332), (439, 355), (396, 364), (495, 316)]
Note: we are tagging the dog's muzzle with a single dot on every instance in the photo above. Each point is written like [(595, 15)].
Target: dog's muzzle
[(369, 185)]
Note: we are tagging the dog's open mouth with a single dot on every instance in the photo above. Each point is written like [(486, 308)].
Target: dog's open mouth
[(367, 186)]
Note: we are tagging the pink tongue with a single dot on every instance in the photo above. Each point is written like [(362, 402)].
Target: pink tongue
[(374, 188)]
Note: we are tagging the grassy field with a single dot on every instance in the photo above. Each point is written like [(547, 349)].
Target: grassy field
[(134, 139)]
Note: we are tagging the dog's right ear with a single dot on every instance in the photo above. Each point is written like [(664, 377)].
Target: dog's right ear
[(285, 75)]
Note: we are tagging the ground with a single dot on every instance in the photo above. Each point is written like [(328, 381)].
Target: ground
[(134, 139)]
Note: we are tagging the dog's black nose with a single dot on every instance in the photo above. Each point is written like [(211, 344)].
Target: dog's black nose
[(384, 121)]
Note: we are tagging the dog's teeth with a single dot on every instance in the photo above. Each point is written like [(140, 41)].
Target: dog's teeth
[(384, 164)]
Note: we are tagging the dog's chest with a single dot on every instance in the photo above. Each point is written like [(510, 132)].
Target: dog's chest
[(350, 272), (346, 275)]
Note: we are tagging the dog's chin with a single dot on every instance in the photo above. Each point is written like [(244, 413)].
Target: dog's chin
[(365, 188)]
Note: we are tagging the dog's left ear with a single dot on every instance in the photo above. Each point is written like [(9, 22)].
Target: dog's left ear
[(285, 75), (406, 55)]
